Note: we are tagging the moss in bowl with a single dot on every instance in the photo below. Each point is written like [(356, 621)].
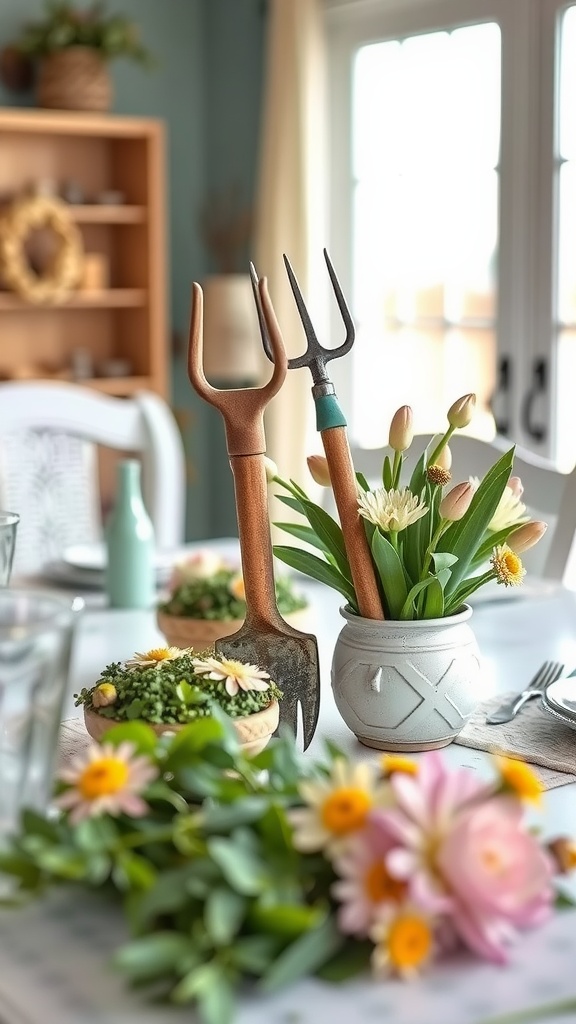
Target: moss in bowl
[(168, 687), (206, 601)]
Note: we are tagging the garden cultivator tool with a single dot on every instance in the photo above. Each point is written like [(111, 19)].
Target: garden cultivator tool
[(264, 639)]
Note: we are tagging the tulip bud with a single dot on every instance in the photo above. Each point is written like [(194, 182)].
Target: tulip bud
[(103, 695), (526, 536), (444, 459), (461, 411), (271, 469), (456, 503), (516, 486), (318, 466), (401, 430)]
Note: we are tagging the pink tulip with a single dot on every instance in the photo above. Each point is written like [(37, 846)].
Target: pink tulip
[(498, 877)]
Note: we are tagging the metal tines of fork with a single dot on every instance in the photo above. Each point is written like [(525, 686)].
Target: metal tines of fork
[(546, 674)]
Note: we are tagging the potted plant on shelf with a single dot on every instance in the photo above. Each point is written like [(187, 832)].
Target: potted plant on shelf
[(410, 679), (206, 601), (73, 47), (168, 687)]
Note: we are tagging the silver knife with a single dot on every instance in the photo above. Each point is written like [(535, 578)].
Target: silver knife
[(548, 673)]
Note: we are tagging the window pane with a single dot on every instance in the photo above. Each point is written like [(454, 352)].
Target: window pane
[(564, 313), (567, 127), (426, 131)]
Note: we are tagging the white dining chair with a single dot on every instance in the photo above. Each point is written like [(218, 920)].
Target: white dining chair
[(49, 433), (548, 494)]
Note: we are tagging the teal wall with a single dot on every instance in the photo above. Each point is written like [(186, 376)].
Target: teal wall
[(206, 87)]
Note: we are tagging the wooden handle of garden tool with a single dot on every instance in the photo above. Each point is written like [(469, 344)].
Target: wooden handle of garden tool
[(255, 545), (343, 481)]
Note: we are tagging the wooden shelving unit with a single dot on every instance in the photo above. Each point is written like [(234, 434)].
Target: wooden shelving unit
[(128, 319)]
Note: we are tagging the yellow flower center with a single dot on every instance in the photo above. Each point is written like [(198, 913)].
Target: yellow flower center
[(158, 654), (409, 942), (380, 886), (345, 810), (102, 778), (507, 566), (492, 861), (232, 667)]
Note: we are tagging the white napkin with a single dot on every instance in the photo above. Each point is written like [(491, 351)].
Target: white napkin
[(532, 736)]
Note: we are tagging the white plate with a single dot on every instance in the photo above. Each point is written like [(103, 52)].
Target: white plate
[(92, 558), (561, 696), (565, 719)]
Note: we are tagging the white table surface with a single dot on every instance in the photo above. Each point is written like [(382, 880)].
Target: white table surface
[(53, 955)]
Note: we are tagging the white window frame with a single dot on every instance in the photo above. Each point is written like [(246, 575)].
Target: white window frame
[(526, 277)]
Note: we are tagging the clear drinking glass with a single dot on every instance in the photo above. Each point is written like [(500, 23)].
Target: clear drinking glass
[(8, 526), (36, 633)]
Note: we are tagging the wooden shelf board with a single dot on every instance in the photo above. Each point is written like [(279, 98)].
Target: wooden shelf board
[(112, 298), (99, 213), (119, 385)]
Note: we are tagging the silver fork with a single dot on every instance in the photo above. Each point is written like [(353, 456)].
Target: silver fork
[(546, 674)]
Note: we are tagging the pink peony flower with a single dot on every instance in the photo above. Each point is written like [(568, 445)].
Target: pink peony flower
[(365, 885), (499, 877), (427, 806)]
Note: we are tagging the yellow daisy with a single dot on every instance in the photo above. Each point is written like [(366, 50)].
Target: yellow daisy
[(156, 656), (337, 806), (507, 566), (237, 674), (404, 941), (520, 778), (391, 763)]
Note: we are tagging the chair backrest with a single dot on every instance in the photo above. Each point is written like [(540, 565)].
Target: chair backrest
[(47, 434), (548, 494)]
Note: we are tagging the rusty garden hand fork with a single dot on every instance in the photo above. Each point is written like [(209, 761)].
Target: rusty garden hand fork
[(264, 639), (331, 423)]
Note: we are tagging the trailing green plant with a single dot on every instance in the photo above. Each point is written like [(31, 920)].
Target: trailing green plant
[(234, 871), (63, 26), (431, 547)]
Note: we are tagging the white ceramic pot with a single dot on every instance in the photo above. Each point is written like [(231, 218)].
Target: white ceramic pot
[(406, 686)]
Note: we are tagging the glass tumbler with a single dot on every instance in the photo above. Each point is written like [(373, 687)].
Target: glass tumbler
[(8, 526), (36, 632)]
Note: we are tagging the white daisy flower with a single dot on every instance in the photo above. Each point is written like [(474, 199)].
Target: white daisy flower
[(106, 780), (338, 806), (404, 940), (156, 656), (237, 674)]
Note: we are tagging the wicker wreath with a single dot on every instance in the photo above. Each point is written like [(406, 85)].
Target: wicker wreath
[(64, 267)]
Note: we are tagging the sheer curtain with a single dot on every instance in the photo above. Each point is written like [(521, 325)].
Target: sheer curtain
[(290, 210)]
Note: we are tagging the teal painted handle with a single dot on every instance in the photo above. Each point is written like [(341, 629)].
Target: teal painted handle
[(328, 413)]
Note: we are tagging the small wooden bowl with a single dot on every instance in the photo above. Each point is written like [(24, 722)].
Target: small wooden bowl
[(254, 731), (183, 631)]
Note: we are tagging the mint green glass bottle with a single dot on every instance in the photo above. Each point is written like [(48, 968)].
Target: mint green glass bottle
[(130, 573)]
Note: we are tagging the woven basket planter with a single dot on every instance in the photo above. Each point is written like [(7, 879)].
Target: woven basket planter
[(74, 79), (182, 631), (253, 731)]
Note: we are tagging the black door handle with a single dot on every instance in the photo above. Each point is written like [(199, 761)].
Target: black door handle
[(500, 399), (536, 430)]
